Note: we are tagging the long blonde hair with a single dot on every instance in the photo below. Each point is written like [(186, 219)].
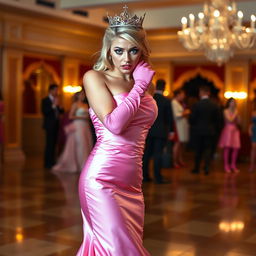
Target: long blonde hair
[(132, 34)]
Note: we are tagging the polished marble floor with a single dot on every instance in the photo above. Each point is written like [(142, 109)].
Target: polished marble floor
[(195, 215)]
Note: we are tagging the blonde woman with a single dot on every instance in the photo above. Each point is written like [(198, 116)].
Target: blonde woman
[(122, 112)]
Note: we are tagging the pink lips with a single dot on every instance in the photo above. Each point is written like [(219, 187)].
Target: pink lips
[(126, 67)]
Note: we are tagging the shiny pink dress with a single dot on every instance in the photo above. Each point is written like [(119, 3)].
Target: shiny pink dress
[(230, 135), (110, 187)]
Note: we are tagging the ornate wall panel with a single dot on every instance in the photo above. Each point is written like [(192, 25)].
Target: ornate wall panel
[(237, 79), (12, 91)]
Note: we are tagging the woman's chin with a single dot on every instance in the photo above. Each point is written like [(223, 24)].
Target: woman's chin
[(126, 72)]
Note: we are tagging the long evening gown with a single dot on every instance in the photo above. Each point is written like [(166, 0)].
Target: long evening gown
[(110, 187), (78, 145)]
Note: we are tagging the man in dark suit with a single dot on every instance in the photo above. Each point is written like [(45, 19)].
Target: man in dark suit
[(205, 122), (51, 112), (161, 130)]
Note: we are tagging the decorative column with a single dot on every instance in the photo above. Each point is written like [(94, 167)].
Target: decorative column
[(164, 70), (70, 75), (237, 80), (12, 94)]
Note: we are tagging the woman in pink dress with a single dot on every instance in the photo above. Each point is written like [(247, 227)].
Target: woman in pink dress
[(79, 138), (230, 136), (122, 112)]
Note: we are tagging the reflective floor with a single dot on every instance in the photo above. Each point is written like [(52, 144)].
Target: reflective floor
[(195, 215)]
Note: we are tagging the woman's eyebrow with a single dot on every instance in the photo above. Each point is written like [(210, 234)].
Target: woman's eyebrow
[(118, 47), (133, 48)]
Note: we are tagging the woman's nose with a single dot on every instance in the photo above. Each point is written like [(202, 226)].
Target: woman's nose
[(126, 56)]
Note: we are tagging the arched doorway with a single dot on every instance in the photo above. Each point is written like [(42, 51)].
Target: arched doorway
[(192, 86), (36, 80)]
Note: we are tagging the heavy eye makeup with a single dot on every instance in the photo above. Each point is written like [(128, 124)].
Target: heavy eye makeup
[(119, 51)]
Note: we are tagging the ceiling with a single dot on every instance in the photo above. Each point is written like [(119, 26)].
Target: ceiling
[(134, 4), (159, 13)]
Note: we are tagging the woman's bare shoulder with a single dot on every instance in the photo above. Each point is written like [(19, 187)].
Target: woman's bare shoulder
[(94, 74), (95, 79)]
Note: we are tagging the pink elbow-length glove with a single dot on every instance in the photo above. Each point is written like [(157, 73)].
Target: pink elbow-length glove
[(119, 118)]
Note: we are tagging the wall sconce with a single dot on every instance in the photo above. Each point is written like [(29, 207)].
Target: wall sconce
[(233, 226), (235, 95), (165, 93), (19, 236), (72, 88)]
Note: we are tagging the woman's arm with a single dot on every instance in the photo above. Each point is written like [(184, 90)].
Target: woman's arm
[(178, 110), (116, 118), (72, 112), (230, 117)]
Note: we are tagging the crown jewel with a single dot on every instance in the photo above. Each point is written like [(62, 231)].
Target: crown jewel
[(126, 19)]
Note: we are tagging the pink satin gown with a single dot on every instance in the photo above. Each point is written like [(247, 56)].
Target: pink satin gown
[(110, 187)]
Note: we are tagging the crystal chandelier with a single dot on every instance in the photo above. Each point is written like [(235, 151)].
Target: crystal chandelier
[(218, 31)]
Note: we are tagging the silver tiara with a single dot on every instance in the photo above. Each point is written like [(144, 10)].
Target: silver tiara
[(126, 19)]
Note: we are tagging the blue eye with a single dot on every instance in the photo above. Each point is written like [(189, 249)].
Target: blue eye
[(134, 51), (118, 51)]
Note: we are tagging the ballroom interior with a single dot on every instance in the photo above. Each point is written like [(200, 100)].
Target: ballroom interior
[(56, 41)]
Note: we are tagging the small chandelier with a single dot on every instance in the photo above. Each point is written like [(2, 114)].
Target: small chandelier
[(218, 30)]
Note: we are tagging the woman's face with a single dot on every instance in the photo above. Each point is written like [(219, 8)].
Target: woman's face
[(232, 104), (125, 55), (81, 96), (181, 96)]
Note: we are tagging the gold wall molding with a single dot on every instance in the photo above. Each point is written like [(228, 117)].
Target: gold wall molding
[(40, 34), (41, 64), (237, 79), (164, 70), (12, 91), (208, 74)]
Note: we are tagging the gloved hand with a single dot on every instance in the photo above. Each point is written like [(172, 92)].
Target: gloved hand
[(142, 76), (117, 121)]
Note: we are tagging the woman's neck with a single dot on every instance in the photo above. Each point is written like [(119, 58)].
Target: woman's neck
[(231, 109), (117, 74)]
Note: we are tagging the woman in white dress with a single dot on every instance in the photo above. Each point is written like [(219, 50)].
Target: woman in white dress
[(79, 138), (180, 115)]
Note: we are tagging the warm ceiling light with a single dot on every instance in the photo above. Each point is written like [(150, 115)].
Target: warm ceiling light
[(72, 88), (235, 95)]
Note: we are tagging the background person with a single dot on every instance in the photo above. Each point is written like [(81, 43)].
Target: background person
[(180, 114), (204, 120), (230, 136), (51, 111), (159, 133), (79, 138), (252, 133)]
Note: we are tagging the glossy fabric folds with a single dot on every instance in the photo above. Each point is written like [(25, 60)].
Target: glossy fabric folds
[(110, 192)]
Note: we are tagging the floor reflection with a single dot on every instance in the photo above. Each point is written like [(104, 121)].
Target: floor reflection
[(193, 216)]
